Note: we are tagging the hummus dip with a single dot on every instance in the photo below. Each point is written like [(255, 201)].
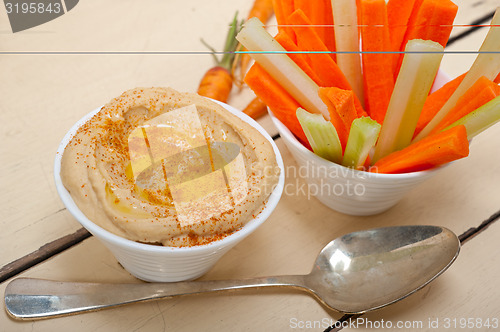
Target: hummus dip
[(162, 167)]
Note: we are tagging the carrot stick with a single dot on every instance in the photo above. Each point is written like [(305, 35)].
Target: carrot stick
[(263, 10), (398, 14), (481, 119), (322, 64), (412, 20), (432, 151), (256, 108), (307, 6), (283, 9), (320, 14), (413, 16), (497, 79), (435, 101), (434, 22), (342, 111), (309, 40), (378, 80), (301, 59), (477, 95), (487, 63), (279, 65), (420, 65), (280, 102), (323, 16)]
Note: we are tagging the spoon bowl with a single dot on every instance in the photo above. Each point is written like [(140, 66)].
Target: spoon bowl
[(370, 269), (355, 273)]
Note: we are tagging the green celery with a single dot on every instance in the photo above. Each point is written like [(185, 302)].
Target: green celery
[(347, 43), (362, 137), (273, 58), (321, 134), (418, 70), (480, 119), (487, 64)]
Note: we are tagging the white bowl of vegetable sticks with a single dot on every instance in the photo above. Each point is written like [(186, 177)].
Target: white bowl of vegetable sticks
[(345, 189)]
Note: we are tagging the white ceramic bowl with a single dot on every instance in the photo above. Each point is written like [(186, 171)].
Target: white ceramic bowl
[(350, 191), (344, 189), (167, 264)]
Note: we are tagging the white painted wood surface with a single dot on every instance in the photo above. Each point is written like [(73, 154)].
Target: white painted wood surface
[(43, 95)]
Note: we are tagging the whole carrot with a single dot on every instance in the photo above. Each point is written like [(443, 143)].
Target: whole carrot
[(218, 81), (216, 84), (431, 151), (256, 108)]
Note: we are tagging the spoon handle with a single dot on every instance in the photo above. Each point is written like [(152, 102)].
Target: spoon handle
[(27, 298)]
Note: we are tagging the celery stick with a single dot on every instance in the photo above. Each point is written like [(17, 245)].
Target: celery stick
[(362, 137), (413, 84), (347, 40), (486, 64), (481, 119), (321, 134), (273, 58)]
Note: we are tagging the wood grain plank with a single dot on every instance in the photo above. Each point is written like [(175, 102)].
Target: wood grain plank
[(457, 63), (472, 12), (44, 252)]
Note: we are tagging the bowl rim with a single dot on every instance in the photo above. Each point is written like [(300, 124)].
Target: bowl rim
[(233, 238)]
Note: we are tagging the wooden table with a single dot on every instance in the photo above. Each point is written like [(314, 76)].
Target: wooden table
[(43, 94)]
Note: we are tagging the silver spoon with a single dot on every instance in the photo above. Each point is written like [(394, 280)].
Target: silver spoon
[(355, 273)]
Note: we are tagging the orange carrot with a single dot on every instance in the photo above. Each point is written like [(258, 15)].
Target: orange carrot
[(280, 102), (320, 14), (256, 108), (323, 16), (435, 101), (481, 92), (263, 10), (322, 64), (434, 21), (301, 59), (341, 108), (282, 9), (497, 79), (398, 14), (216, 84), (431, 151), (412, 19), (378, 79), (218, 81)]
